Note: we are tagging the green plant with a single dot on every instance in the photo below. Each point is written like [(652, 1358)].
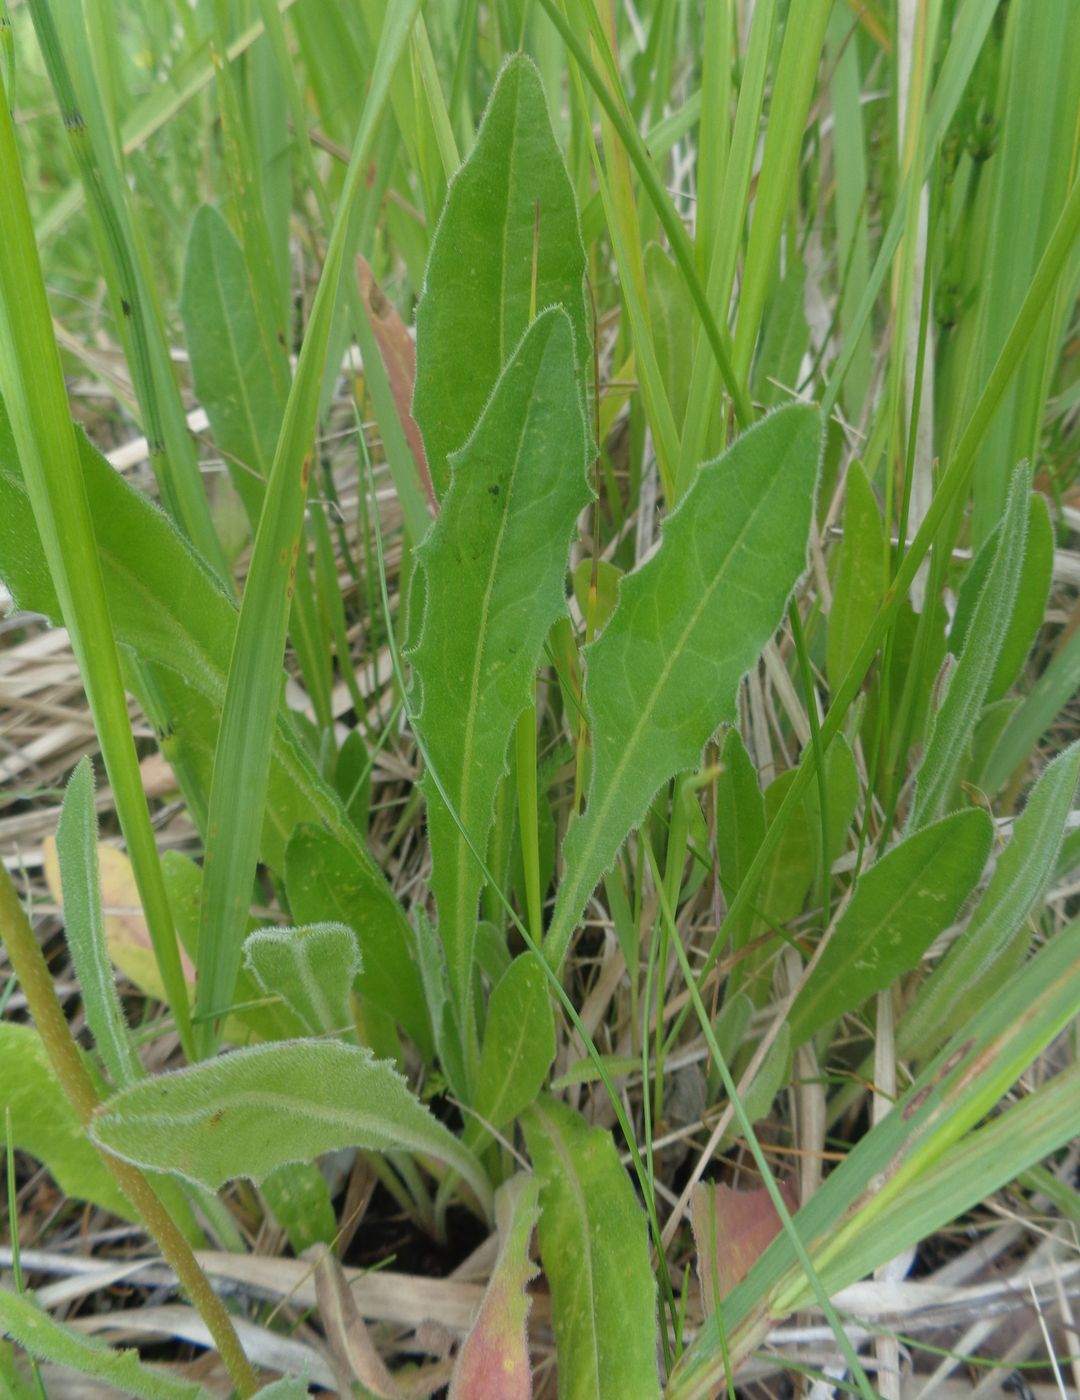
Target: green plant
[(858, 925)]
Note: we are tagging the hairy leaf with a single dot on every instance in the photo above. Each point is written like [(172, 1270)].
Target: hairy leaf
[(493, 1363), (478, 290), (42, 1336), (494, 572), (594, 1244), (312, 969), (900, 905), (688, 625), (245, 1113), (231, 362)]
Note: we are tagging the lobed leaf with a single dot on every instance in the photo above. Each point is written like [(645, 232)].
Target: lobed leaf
[(246, 1113), (494, 569), (479, 289), (688, 625), (900, 905), (594, 1245)]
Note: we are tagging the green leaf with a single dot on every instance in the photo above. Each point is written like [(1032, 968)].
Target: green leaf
[(861, 576), (44, 1123), (688, 626), (248, 1112), (478, 290), (84, 927), (594, 1245), (299, 1200), (493, 1363), (519, 1042), (249, 712), (494, 571), (168, 610), (1031, 594), (900, 905), (740, 821), (324, 883), (1053, 690), (785, 338), (970, 681), (312, 969), (973, 969), (671, 316), (607, 587), (42, 1336), (230, 360)]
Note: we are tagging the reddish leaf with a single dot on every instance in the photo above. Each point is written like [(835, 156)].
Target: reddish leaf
[(399, 360), (494, 1360), (731, 1230)]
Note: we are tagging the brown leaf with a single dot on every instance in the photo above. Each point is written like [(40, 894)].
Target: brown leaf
[(399, 360), (732, 1229)]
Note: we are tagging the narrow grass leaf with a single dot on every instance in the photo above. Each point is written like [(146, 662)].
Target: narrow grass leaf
[(860, 576), (880, 1180), (84, 927), (900, 905), (478, 289), (246, 1113), (971, 971), (312, 969), (688, 625), (42, 1336), (494, 570), (240, 773), (493, 1363), (519, 1042), (970, 682), (594, 1245), (1057, 685)]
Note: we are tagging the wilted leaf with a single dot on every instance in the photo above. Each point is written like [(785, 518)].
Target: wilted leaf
[(731, 1229)]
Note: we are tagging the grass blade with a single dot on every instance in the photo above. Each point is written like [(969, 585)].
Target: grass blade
[(238, 793)]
